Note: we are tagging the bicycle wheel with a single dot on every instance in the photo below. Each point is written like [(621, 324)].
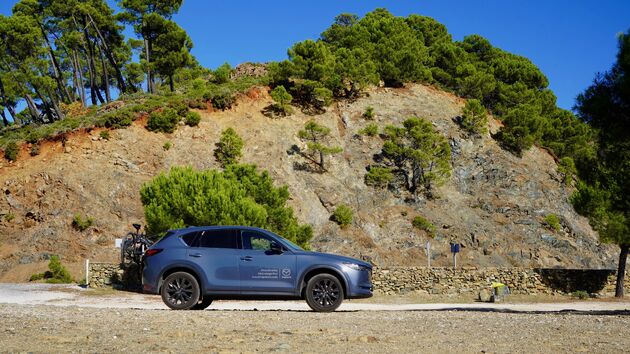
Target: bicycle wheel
[(127, 250)]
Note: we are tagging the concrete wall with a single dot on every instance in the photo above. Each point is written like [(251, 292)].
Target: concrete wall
[(401, 280)]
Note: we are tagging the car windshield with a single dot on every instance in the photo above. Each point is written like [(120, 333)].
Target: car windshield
[(292, 245)]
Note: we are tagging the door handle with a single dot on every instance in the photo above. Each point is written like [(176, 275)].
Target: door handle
[(197, 255), (246, 258)]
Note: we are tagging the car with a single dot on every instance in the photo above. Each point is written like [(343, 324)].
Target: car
[(191, 267)]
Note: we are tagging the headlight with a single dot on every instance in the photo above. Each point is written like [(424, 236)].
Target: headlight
[(354, 266)]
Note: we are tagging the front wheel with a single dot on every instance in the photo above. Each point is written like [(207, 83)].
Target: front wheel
[(324, 293), (180, 291)]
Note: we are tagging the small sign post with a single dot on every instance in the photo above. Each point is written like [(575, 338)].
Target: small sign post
[(118, 243), (428, 252), (454, 251)]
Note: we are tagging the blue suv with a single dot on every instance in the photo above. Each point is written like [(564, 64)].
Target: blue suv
[(193, 266)]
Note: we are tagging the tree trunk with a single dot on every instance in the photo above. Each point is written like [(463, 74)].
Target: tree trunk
[(11, 109), (170, 83), (46, 106), (32, 107), (53, 101), (5, 121), (147, 51), (110, 57), (94, 91), (621, 270), (321, 160), (81, 80), (55, 65), (75, 78), (108, 95)]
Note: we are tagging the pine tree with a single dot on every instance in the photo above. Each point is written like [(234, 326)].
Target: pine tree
[(604, 194), (419, 153), (237, 196), (316, 137), (228, 149)]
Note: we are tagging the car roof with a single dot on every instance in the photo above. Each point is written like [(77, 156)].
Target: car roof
[(223, 227)]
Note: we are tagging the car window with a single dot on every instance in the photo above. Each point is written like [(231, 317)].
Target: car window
[(256, 241), (191, 239), (218, 239)]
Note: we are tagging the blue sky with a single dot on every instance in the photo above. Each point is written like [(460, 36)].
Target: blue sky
[(569, 40)]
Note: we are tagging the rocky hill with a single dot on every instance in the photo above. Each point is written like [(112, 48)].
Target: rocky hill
[(494, 204)]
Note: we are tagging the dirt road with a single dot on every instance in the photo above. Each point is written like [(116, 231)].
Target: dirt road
[(53, 319)]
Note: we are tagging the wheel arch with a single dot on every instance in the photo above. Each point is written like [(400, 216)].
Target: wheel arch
[(182, 268), (316, 270)]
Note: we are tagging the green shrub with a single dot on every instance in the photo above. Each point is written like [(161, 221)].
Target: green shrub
[(369, 130), (566, 167), (378, 176), (9, 217), (33, 136), (179, 106), (228, 149), (342, 215), (369, 113), (81, 224), (580, 294), (167, 146), (193, 119), (474, 118), (59, 273), (553, 222), (283, 100), (223, 100), (222, 74), (34, 150), (197, 104), (36, 277), (119, 119), (104, 134), (239, 195), (421, 223), (164, 121), (11, 151)]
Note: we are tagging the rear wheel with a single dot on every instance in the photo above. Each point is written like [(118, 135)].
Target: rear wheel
[(324, 293), (203, 304), (180, 291)]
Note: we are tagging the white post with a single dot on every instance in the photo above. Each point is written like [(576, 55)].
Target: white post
[(454, 260), (428, 251), (87, 272)]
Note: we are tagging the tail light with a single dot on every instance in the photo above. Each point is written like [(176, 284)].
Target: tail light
[(152, 252)]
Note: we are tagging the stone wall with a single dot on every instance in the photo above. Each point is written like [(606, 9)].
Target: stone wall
[(401, 280), (442, 281), (103, 275)]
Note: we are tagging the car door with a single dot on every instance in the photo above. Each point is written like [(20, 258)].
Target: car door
[(216, 252), (262, 270)]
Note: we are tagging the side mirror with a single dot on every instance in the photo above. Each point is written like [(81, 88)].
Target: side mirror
[(276, 248)]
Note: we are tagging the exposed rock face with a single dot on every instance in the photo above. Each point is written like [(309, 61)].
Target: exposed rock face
[(249, 69), (494, 204)]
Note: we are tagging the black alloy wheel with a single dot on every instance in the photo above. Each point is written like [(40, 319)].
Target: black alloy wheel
[(180, 291), (324, 293)]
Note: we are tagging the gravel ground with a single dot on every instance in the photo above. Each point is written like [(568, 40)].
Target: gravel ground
[(60, 318), (42, 328)]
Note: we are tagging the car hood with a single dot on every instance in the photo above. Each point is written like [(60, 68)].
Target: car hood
[(338, 258)]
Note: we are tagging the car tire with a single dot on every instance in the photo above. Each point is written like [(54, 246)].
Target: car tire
[(203, 304), (180, 291), (324, 293)]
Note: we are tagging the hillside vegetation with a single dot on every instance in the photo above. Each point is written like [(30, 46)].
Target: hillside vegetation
[(350, 129)]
